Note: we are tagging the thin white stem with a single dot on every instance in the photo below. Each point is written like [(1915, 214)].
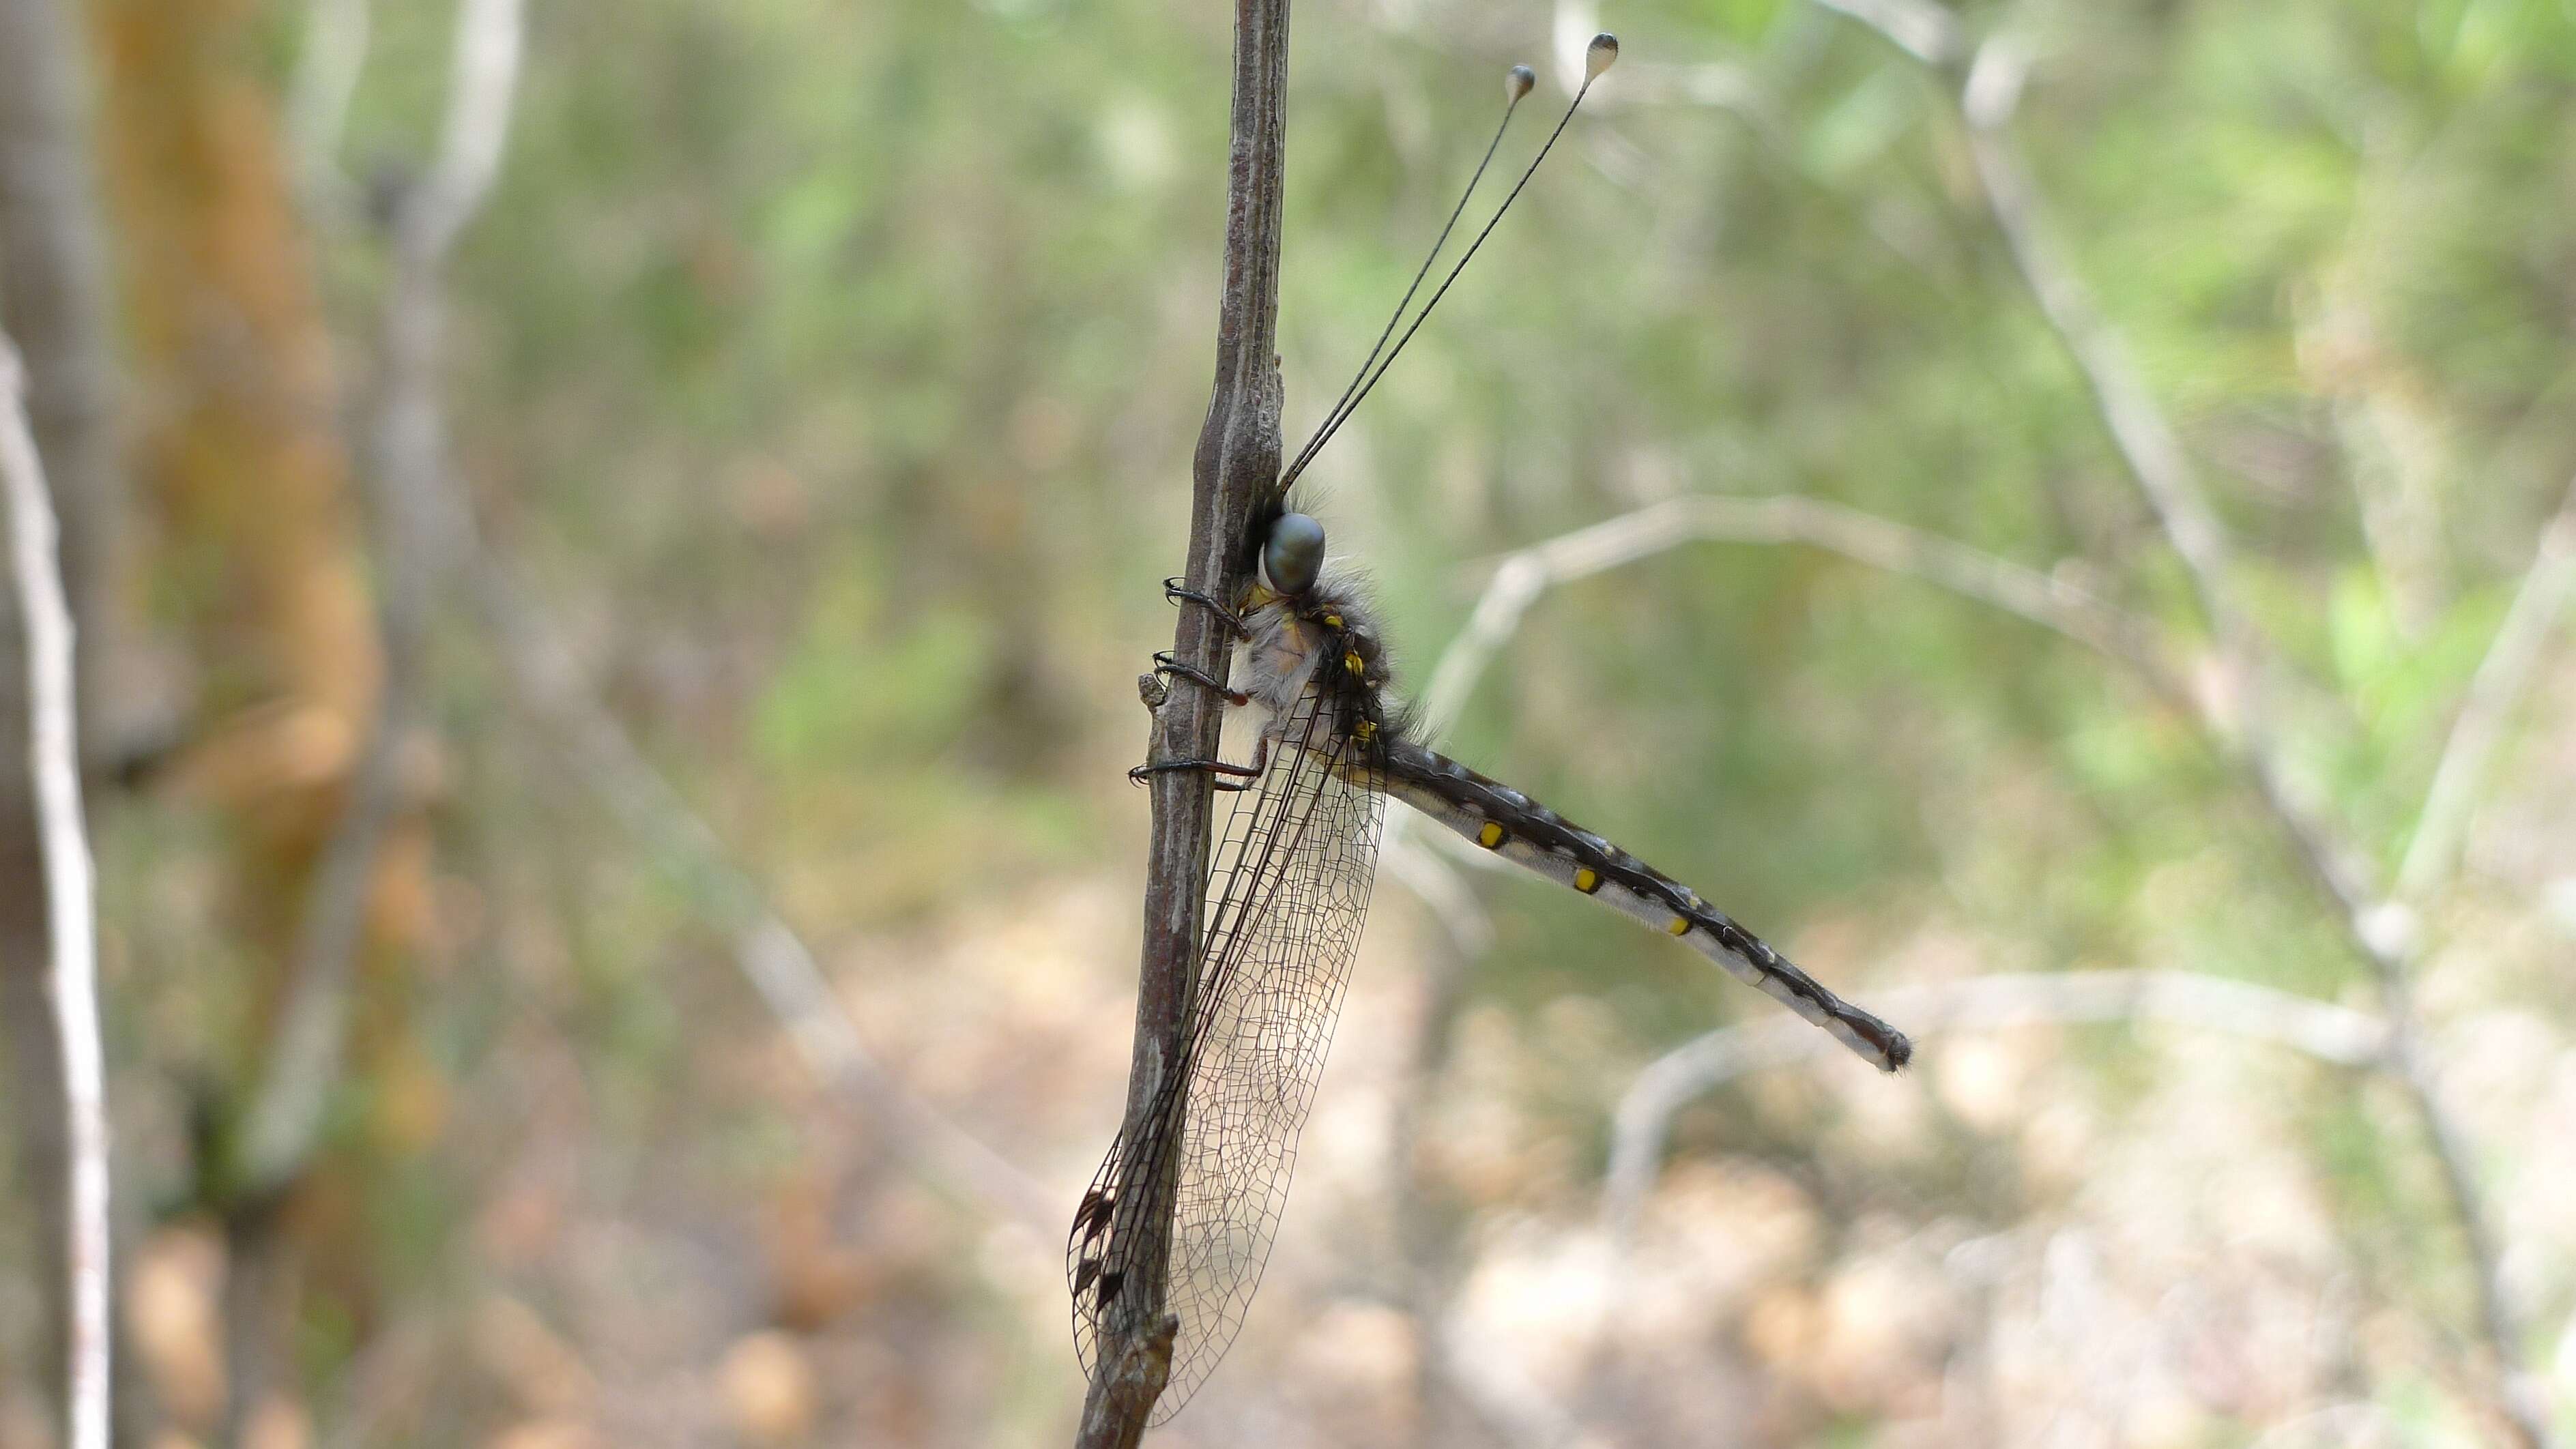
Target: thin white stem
[(53, 761), (481, 94), (2329, 1033), (408, 455), (326, 79), (778, 963), (2145, 439), (2049, 601), (2495, 692), (430, 534), (2382, 928), (1928, 32)]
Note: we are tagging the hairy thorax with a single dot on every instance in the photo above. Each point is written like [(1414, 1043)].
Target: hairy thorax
[(1328, 628)]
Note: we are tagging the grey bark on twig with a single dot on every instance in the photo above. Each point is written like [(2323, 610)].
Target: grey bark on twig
[(2503, 677), (54, 301), (1237, 459), (53, 764)]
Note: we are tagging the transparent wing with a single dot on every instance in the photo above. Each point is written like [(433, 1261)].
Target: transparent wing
[(1288, 891)]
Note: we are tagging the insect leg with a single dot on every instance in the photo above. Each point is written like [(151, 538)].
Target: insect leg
[(1240, 774), (1230, 778), (1164, 663), (1174, 591)]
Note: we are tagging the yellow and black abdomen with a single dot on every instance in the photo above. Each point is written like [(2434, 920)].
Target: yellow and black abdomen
[(1498, 818)]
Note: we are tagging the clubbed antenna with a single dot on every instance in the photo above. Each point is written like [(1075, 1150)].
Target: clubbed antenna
[(1597, 57), (1516, 84)]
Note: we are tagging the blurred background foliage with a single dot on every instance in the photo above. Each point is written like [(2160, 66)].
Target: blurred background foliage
[(829, 374)]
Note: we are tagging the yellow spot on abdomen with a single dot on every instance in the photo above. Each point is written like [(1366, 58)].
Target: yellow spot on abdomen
[(1333, 620), (1587, 880), (1680, 926), (1490, 836), (1354, 663)]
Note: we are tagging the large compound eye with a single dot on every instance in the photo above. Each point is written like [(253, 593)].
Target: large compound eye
[(1294, 554)]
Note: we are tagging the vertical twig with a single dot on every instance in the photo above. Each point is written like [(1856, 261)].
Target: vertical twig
[(282, 1124), (53, 761), (409, 447), (427, 539), (1237, 458), (54, 300)]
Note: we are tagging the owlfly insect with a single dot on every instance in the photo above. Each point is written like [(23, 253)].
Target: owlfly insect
[(1288, 889)]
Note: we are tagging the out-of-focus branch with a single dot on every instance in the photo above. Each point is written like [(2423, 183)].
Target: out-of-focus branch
[(2052, 602), (408, 457), (2382, 931), (778, 963), (2333, 1034), (481, 96), (2138, 427), (429, 534), (1923, 30), (53, 762), (54, 301), (1723, 84), (317, 107), (2497, 689)]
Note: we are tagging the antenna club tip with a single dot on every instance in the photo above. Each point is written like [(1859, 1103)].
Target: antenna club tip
[(1600, 55), (1517, 82)]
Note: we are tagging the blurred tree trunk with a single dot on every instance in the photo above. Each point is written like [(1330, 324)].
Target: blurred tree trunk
[(244, 456), (53, 300)]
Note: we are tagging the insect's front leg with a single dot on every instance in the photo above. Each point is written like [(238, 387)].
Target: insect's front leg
[(1177, 593)]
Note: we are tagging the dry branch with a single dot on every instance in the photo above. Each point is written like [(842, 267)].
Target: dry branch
[(1237, 460), (53, 763)]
